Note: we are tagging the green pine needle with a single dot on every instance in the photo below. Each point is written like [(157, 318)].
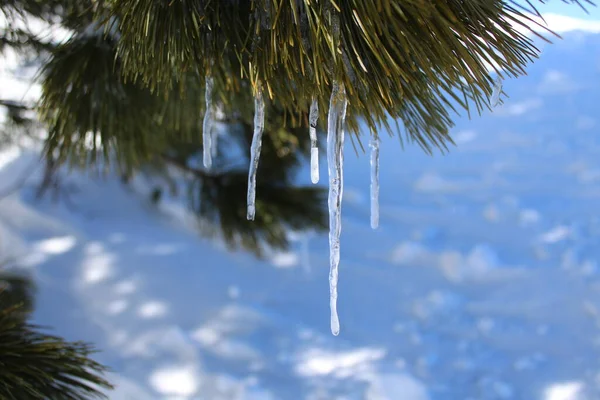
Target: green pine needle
[(411, 60), (38, 366)]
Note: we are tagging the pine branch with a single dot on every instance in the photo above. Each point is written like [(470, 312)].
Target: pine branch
[(221, 202), (36, 366), (22, 40), (416, 61), (16, 292), (218, 198), (182, 165), (15, 105)]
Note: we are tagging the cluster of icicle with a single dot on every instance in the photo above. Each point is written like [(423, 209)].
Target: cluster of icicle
[(335, 158), (335, 144), (209, 139)]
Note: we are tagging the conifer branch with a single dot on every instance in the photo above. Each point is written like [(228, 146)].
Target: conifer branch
[(416, 61)]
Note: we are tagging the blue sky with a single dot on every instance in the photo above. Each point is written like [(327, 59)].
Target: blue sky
[(558, 7)]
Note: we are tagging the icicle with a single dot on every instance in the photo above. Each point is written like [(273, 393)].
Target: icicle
[(259, 124), (314, 148), (207, 125), (374, 182), (496, 92), (335, 157), (214, 142)]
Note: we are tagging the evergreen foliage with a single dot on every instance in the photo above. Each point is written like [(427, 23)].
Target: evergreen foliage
[(411, 60), (35, 365), (16, 292)]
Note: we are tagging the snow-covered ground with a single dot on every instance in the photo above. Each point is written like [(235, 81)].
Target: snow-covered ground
[(481, 283)]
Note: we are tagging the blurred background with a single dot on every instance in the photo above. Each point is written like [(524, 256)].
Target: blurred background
[(481, 282)]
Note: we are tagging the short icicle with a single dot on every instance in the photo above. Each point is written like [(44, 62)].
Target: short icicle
[(335, 159), (207, 125), (496, 92), (259, 125), (374, 144), (314, 148)]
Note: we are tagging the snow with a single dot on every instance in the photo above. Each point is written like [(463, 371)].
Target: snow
[(343, 364), (397, 386), (57, 245), (565, 391), (152, 309), (174, 380), (481, 283)]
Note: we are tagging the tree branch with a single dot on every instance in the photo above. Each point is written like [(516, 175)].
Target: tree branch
[(184, 167), (14, 105), (199, 173)]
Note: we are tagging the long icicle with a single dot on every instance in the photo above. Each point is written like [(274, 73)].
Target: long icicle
[(207, 124), (314, 148), (335, 158), (259, 125), (374, 182)]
